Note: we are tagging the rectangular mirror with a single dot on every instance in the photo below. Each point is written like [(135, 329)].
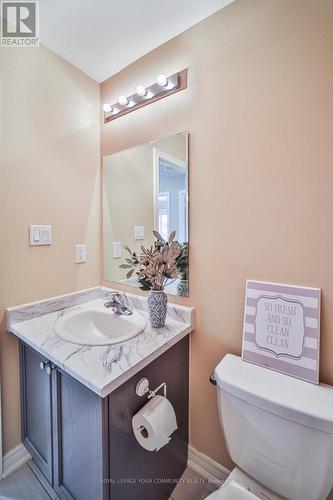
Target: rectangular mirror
[(145, 188)]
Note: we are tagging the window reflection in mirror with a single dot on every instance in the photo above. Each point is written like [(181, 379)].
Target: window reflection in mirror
[(145, 188)]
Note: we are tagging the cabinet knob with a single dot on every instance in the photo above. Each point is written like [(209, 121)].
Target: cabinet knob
[(47, 366)]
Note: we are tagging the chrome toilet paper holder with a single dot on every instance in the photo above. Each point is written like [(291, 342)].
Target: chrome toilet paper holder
[(142, 388)]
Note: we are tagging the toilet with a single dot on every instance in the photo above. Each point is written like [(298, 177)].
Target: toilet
[(278, 431)]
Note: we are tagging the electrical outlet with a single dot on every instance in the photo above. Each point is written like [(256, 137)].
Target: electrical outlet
[(80, 254), (139, 232)]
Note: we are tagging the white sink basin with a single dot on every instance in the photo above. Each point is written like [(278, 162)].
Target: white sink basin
[(98, 327)]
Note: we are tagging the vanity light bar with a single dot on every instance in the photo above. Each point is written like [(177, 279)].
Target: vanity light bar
[(163, 87)]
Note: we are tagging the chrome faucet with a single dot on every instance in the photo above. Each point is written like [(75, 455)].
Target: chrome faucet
[(117, 305)]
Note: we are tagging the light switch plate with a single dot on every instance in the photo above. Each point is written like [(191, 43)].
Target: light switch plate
[(40, 234), (116, 249), (139, 232), (80, 254)]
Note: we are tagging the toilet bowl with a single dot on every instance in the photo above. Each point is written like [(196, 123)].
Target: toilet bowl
[(278, 431)]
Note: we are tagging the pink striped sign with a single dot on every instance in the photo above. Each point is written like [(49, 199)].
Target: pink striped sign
[(282, 328)]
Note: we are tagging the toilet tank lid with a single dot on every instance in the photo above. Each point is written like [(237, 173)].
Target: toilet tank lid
[(282, 395)]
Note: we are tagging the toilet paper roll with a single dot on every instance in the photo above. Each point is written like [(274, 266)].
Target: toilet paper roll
[(154, 423)]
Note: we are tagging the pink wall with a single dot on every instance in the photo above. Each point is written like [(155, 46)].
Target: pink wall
[(259, 112), (49, 174)]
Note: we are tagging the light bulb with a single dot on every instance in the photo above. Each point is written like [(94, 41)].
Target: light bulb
[(107, 107), (149, 95), (131, 104), (170, 86), (115, 111), (123, 101), (141, 90), (162, 80)]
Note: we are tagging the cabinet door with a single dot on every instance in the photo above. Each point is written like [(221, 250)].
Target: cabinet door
[(80, 440), (36, 408)]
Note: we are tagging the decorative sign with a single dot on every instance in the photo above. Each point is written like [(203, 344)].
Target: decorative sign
[(282, 328)]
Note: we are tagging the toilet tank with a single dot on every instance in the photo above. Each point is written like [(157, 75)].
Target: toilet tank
[(277, 428)]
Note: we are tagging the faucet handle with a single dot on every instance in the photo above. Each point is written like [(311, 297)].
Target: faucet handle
[(116, 296), (117, 304)]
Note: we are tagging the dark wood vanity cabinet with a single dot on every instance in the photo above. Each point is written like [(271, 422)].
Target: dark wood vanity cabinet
[(84, 444), (62, 428)]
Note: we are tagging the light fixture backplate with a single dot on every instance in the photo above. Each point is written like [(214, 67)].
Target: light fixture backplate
[(179, 80)]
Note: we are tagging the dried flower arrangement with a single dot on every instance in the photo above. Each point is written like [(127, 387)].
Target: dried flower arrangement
[(183, 262), (155, 265)]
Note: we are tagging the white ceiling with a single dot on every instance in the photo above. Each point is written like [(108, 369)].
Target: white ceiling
[(101, 37)]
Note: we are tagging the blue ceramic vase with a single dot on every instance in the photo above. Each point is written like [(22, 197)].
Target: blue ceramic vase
[(182, 288), (157, 308)]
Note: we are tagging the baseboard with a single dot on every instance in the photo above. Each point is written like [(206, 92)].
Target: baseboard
[(200, 463), (214, 473), (14, 459)]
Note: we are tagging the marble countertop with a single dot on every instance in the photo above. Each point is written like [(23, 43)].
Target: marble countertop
[(101, 368)]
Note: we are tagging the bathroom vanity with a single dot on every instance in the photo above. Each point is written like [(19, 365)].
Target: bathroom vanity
[(78, 401)]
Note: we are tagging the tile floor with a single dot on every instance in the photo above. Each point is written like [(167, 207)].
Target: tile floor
[(23, 484), (192, 487), (27, 483)]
